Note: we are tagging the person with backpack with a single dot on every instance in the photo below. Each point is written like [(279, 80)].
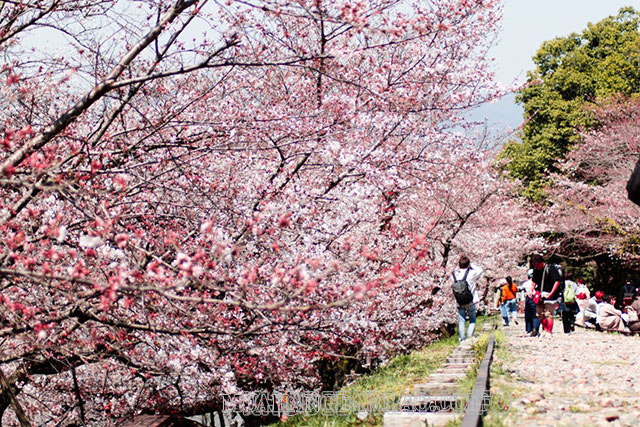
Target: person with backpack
[(508, 299), (569, 303), (464, 289), (549, 283)]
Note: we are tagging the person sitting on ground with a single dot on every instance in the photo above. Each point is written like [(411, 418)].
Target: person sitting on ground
[(582, 299), (582, 293), (591, 310), (609, 318), (634, 316)]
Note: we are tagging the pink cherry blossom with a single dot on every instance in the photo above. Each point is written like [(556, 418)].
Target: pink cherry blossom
[(194, 214)]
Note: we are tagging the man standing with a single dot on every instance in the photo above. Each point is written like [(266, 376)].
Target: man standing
[(570, 303), (549, 280), (471, 273), (532, 325)]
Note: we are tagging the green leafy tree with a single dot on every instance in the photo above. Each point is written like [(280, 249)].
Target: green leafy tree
[(570, 72)]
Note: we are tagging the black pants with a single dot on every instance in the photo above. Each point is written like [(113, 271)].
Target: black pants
[(568, 320), (531, 322)]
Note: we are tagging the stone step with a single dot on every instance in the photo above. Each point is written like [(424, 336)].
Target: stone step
[(447, 377), (423, 403), (463, 350), (434, 389), (459, 350), (457, 365), (452, 371), (462, 354), (418, 419), (469, 360)]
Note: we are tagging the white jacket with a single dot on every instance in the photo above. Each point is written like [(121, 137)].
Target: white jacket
[(472, 279)]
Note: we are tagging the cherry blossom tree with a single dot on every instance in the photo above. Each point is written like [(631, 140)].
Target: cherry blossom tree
[(591, 216), (202, 197)]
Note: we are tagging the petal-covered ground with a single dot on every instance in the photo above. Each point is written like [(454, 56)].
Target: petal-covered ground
[(583, 378)]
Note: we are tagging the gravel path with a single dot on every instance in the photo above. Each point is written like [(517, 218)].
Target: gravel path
[(584, 378)]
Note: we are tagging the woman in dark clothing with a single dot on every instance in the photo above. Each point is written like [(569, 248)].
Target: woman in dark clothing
[(627, 295)]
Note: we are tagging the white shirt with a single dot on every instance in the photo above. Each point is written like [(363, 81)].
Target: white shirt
[(583, 289), (527, 287), (592, 309), (472, 278)]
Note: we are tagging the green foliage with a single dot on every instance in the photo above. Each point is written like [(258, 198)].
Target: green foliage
[(571, 72), (506, 388), (631, 244), (479, 347), (465, 385)]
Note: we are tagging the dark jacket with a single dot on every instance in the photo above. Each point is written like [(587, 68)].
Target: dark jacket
[(627, 292), (552, 273)]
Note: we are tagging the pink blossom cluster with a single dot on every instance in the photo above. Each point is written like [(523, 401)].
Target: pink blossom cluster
[(186, 216), (591, 213)]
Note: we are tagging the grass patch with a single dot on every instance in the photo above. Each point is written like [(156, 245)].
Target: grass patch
[(505, 389), (466, 384), (397, 377)]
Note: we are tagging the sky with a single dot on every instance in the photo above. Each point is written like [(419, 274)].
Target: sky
[(526, 25)]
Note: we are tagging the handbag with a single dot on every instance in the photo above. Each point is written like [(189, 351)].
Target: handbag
[(537, 297)]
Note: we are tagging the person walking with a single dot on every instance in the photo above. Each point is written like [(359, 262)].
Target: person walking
[(509, 306), (470, 273), (531, 323), (569, 304), (549, 281)]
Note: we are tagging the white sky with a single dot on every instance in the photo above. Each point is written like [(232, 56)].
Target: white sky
[(528, 23)]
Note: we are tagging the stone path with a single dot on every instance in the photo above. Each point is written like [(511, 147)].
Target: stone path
[(584, 378)]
